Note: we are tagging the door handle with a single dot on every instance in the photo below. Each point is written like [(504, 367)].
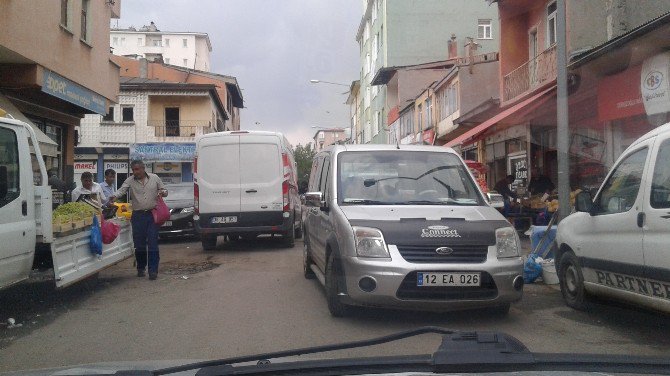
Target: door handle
[(251, 191), (24, 207), (640, 219)]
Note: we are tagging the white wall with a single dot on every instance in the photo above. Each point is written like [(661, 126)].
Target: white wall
[(126, 43)]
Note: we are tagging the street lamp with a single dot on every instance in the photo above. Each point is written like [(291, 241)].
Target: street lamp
[(327, 82)]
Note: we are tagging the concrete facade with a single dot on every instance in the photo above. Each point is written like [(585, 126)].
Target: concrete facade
[(183, 49), (326, 137), (397, 32)]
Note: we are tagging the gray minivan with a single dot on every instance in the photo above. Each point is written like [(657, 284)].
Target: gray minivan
[(406, 227)]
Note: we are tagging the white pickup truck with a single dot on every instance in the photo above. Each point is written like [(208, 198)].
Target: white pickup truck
[(26, 214)]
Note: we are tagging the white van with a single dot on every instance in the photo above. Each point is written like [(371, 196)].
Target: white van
[(245, 185), (617, 244)]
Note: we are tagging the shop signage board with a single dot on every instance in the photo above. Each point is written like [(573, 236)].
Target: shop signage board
[(167, 167), (60, 87), (90, 166), (163, 152), (655, 85), (117, 166), (517, 165)]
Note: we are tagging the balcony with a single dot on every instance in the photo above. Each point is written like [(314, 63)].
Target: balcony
[(532, 74), (179, 130)]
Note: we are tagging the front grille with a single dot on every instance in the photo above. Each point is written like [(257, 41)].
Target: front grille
[(408, 290), (462, 254)]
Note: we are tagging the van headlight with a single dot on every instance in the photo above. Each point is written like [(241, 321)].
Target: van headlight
[(507, 242), (370, 243), (188, 210)]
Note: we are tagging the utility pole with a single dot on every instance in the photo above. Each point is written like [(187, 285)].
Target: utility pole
[(562, 129)]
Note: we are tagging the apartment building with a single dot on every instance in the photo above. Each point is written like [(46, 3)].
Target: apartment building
[(326, 137), (395, 33), (55, 68), (183, 49)]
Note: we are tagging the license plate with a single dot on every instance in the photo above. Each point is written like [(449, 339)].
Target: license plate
[(232, 219), (448, 279), (167, 224)]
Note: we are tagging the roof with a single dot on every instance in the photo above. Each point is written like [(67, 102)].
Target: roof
[(384, 75), (602, 49), (387, 147), (332, 130), (197, 34), (231, 82), (353, 91)]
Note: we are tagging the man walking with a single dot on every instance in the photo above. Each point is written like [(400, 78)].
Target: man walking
[(144, 191), (109, 185)]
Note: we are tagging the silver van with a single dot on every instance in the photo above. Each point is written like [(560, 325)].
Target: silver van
[(406, 227)]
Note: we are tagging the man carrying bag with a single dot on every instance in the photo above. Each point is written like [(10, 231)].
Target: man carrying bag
[(145, 188)]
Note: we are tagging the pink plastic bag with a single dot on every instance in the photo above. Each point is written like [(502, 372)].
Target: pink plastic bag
[(109, 230), (161, 212)]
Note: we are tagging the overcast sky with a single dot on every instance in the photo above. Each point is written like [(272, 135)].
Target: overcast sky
[(273, 47)]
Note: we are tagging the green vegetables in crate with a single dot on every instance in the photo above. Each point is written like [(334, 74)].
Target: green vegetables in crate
[(72, 210)]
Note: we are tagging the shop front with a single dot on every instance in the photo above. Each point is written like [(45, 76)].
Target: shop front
[(173, 162)]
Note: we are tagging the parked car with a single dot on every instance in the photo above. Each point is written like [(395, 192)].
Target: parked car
[(406, 227), (245, 185), (616, 245), (181, 204)]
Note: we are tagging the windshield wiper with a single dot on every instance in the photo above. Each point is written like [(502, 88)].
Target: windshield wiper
[(423, 202), (459, 352)]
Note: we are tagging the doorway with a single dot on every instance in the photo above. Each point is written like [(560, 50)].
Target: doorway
[(532, 54), (172, 121)]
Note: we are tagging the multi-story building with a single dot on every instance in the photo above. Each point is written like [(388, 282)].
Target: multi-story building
[(606, 106), (161, 110), (55, 67), (353, 100), (326, 137), (399, 33), (184, 49)]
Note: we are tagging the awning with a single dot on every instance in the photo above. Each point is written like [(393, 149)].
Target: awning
[(526, 105), (48, 147)]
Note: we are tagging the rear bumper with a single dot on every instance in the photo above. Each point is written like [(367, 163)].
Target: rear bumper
[(204, 226)]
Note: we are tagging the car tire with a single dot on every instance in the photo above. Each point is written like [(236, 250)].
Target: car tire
[(288, 238), (571, 281), (208, 242), (307, 263), (333, 275)]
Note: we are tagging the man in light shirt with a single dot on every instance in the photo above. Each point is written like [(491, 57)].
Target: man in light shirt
[(144, 191), (109, 184), (89, 190)]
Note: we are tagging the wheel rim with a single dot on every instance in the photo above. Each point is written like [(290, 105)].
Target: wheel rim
[(571, 279)]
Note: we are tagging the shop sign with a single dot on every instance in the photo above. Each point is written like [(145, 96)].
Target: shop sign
[(619, 95), (428, 136), (60, 87), (163, 152), (655, 85), (167, 167), (518, 166), (80, 167), (117, 166)]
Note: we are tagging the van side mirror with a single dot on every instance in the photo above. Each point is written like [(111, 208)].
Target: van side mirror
[(584, 202), (315, 200), (4, 184)]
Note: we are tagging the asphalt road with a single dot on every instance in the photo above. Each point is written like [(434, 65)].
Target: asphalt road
[(251, 297)]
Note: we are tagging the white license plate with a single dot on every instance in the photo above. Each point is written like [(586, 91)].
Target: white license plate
[(448, 279), (232, 219), (167, 224)]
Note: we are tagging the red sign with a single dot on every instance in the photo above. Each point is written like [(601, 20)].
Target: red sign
[(394, 114), (619, 96), (428, 136)]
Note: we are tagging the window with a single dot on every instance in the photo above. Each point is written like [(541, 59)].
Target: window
[(167, 42), (110, 115), (186, 62), (85, 4), (115, 41), (167, 60), (660, 183), (620, 191), (337, 135), (551, 24), (158, 43), (139, 42), (123, 41), (420, 115), (375, 128), (381, 36), (484, 29), (9, 164), (322, 135), (429, 114), (127, 114), (65, 13), (374, 12), (184, 42)]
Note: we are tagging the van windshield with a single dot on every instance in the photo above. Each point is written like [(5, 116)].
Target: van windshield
[(404, 178)]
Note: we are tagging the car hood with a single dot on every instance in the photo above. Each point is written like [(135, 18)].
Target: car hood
[(427, 212)]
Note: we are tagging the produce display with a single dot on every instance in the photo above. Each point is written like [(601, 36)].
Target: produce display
[(72, 216), (551, 203)]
